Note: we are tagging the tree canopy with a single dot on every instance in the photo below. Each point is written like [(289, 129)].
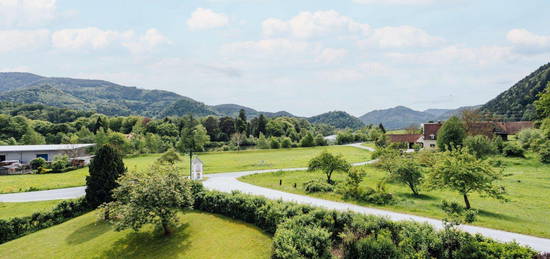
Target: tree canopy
[(329, 163), (451, 134)]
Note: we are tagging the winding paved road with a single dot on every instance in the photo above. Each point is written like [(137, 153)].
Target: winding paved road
[(228, 182)]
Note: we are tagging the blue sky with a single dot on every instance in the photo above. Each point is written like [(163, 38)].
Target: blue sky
[(306, 56)]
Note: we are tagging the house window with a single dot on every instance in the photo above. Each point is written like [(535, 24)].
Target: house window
[(45, 156), (2, 158), (432, 145), (432, 137)]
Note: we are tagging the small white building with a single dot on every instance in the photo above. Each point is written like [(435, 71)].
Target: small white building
[(25, 153), (196, 172)]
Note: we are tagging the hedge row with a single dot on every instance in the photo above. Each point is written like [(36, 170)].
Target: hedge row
[(302, 231), (18, 227)]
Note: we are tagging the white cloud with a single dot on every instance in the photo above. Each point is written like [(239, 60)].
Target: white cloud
[(405, 2), (203, 19), (95, 38), (90, 37), (11, 40), (527, 41), (330, 55), (313, 24), (26, 12), (402, 36), (151, 39)]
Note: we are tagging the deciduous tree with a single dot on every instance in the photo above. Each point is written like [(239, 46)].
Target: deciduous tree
[(328, 164)]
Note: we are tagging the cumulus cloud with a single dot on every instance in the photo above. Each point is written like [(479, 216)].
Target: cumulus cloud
[(312, 24), (401, 36), (527, 41), (330, 55), (204, 19), (26, 12), (95, 38), (11, 40)]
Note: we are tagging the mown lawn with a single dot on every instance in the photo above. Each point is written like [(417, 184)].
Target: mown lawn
[(200, 235), (214, 162), (528, 185), (21, 209)]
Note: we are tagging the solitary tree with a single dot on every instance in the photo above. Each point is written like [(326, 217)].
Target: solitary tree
[(105, 168), (192, 140), (307, 140), (329, 163), (152, 197), (407, 171), (451, 134), (170, 157), (459, 171)]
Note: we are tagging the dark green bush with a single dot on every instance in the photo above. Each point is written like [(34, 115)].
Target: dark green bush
[(317, 186), (544, 153), (37, 163), (302, 237), (513, 150)]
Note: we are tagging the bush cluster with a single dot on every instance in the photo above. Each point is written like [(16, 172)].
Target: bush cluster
[(302, 231), (17, 227), (513, 150), (317, 186)]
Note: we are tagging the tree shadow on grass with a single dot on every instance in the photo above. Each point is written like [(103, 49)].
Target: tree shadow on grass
[(87, 233), (150, 244), (490, 214), (421, 196)]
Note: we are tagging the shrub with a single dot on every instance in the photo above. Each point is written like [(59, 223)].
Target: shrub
[(286, 142), (274, 143), (375, 246), (544, 153), (43, 170), (513, 150), (317, 186), (37, 163), (307, 140), (320, 140), (60, 163), (480, 146), (529, 138), (301, 237)]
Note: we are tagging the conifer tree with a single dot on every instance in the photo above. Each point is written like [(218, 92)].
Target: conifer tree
[(106, 167)]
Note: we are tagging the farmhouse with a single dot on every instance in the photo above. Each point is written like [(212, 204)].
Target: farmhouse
[(410, 139), (25, 153), (487, 128)]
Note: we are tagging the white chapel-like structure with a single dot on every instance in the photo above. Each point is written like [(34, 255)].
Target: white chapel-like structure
[(196, 165)]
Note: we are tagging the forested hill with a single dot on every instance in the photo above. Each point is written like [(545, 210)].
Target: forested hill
[(517, 102), (338, 119)]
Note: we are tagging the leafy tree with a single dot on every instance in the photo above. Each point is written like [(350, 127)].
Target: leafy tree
[(262, 123), (409, 172), (32, 138), (451, 134), (212, 126), (241, 122), (286, 142), (227, 127), (262, 142), (105, 168), (543, 103), (307, 140), (274, 143), (320, 140), (192, 140), (480, 146), (149, 198), (459, 171), (237, 139), (170, 157), (328, 164)]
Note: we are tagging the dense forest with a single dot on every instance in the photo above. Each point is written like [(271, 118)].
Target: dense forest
[(338, 119), (517, 102)]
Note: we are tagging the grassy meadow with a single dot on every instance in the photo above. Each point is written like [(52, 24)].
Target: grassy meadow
[(200, 235), (214, 162), (22, 209), (527, 182)]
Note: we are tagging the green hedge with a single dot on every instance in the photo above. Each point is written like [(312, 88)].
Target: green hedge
[(18, 227), (302, 231)]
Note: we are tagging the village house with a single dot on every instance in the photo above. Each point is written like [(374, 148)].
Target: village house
[(25, 153), (409, 139)]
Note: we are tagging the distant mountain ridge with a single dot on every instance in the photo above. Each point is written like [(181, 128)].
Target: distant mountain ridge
[(400, 117)]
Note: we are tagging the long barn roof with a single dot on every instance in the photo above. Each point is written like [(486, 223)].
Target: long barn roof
[(27, 148)]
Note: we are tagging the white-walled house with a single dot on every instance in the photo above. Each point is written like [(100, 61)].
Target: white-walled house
[(25, 153)]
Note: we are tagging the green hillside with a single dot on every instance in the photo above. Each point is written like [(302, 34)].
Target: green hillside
[(338, 119), (517, 102)]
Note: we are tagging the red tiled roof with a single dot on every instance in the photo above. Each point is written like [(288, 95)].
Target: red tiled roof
[(431, 129), (514, 127), (407, 138)]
